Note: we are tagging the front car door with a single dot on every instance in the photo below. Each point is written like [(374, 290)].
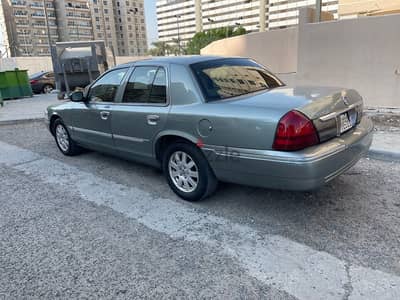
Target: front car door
[(141, 111), (92, 119)]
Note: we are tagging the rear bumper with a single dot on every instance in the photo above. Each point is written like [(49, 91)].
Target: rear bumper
[(300, 170)]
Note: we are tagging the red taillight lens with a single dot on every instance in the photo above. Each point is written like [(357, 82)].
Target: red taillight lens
[(33, 81), (294, 132)]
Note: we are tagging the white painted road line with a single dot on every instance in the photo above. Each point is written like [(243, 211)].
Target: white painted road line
[(290, 266)]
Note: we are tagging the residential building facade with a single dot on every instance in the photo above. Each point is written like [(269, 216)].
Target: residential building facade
[(25, 31), (186, 17), (24, 27), (355, 8), (74, 21), (121, 24)]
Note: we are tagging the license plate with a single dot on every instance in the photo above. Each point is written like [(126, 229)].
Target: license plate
[(345, 123)]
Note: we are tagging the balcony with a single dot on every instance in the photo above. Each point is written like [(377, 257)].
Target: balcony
[(17, 15), (18, 3)]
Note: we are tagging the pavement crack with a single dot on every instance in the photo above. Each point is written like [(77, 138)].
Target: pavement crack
[(348, 287), (25, 162)]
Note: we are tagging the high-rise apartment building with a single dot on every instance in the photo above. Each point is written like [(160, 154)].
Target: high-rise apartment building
[(74, 21), (180, 16), (24, 27), (284, 13), (355, 8), (188, 16), (121, 24)]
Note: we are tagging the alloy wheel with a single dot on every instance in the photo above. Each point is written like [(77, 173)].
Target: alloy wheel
[(62, 137), (183, 171), (47, 89)]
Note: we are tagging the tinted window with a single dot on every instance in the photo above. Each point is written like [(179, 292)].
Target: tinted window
[(146, 85), (37, 75), (225, 78), (105, 88)]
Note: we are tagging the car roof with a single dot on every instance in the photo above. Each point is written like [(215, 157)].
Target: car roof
[(180, 60)]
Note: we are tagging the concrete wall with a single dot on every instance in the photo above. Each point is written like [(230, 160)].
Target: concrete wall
[(43, 63), (32, 64), (276, 49), (360, 53)]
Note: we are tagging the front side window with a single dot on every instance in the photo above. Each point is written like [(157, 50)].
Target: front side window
[(106, 87), (226, 78), (146, 85)]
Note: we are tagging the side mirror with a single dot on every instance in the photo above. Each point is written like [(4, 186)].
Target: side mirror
[(77, 96)]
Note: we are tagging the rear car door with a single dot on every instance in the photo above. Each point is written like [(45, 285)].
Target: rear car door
[(142, 111), (92, 119)]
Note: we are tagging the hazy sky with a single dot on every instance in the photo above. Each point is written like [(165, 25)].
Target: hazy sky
[(151, 20)]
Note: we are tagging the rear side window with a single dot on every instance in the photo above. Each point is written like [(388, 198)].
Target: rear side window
[(226, 78), (106, 87), (146, 85)]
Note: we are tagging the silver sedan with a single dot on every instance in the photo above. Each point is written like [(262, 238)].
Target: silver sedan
[(203, 119)]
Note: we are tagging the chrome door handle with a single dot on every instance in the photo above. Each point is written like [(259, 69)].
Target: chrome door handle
[(104, 114), (152, 119)]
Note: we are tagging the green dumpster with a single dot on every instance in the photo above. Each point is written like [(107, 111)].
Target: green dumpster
[(1, 100), (15, 84)]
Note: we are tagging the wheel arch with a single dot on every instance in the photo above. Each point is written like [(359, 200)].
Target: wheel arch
[(53, 118), (166, 138)]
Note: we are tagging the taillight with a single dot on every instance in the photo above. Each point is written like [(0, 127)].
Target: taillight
[(33, 81), (294, 132)]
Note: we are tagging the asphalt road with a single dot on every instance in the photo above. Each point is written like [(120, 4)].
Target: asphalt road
[(96, 226)]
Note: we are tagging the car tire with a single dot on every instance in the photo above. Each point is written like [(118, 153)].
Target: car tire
[(188, 172), (47, 88), (63, 139)]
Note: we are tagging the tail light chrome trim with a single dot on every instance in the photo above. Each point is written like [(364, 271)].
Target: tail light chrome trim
[(335, 114)]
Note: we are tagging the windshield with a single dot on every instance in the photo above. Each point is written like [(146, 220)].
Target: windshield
[(226, 78)]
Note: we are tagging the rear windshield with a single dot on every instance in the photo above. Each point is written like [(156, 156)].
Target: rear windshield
[(226, 78), (37, 75)]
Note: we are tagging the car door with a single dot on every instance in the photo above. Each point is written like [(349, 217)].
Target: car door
[(92, 119), (141, 111)]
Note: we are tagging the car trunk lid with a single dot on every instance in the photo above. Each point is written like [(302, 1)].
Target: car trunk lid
[(326, 107), (333, 111)]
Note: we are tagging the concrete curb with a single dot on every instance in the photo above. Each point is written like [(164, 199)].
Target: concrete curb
[(22, 121), (379, 154)]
